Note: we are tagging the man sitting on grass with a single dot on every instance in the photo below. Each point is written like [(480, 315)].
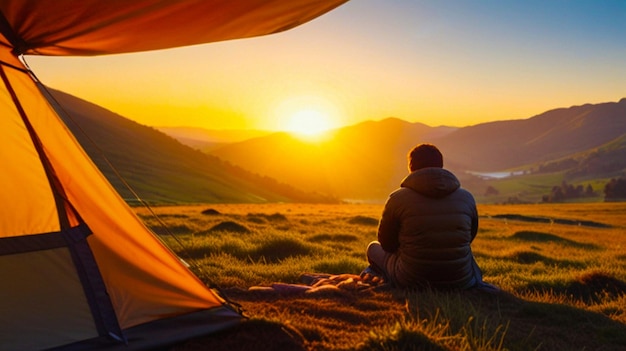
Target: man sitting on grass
[(426, 229)]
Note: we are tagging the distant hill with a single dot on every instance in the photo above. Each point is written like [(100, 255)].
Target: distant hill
[(209, 139), (362, 161), (583, 145), (551, 135), (368, 160), (161, 169), (608, 159)]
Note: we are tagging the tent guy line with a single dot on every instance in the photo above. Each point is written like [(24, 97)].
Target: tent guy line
[(85, 272)]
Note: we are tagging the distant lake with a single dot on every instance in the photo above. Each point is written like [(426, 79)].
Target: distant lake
[(495, 175)]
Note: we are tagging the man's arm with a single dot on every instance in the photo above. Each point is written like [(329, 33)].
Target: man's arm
[(389, 228), (474, 222)]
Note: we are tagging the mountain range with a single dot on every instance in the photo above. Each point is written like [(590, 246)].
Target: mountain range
[(207, 140), (142, 162), (368, 160), (551, 135), (361, 162)]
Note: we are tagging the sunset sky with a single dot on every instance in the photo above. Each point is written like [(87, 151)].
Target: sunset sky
[(453, 63)]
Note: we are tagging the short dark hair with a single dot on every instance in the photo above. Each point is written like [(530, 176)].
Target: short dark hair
[(425, 155)]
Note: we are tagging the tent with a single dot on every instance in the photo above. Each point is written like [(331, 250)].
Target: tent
[(79, 270)]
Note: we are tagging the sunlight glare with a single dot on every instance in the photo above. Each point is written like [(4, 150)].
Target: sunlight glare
[(308, 123)]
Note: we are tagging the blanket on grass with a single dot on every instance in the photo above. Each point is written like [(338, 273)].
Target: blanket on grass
[(322, 282)]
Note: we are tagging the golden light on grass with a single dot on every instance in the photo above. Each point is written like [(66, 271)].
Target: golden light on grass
[(553, 275)]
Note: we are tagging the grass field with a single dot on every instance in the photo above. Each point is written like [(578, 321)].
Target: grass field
[(561, 268)]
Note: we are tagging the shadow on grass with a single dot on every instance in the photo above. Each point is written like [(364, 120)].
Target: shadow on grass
[(529, 325), (252, 334), (271, 251), (272, 218), (342, 238), (211, 212), (399, 338), (589, 287), (518, 217), (412, 320), (531, 257), (555, 326), (171, 229), (278, 249), (363, 220), (229, 226), (169, 215), (540, 237)]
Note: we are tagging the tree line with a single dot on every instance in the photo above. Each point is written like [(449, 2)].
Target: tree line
[(565, 191), (614, 190)]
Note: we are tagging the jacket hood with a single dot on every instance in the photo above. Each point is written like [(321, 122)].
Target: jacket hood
[(432, 182)]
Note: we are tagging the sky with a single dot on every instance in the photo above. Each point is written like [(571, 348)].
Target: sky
[(438, 62)]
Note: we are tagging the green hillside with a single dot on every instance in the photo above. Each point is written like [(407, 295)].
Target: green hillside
[(594, 167), (607, 160), (162, 170), (558, 133)]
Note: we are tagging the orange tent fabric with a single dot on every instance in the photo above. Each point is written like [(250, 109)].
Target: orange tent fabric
[(95, 27), (79, 269)]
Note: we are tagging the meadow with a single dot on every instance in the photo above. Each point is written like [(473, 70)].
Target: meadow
[(561, 269)]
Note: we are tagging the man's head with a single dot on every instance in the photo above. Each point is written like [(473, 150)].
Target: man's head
[(425, 155)]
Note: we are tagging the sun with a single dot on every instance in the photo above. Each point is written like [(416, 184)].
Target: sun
[(308, 123), (310, 117)]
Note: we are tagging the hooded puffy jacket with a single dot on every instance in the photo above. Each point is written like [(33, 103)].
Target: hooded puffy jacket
[(428, 225)]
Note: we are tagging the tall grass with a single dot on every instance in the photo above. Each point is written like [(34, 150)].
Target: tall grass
[(439, 321), (557, 278)]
